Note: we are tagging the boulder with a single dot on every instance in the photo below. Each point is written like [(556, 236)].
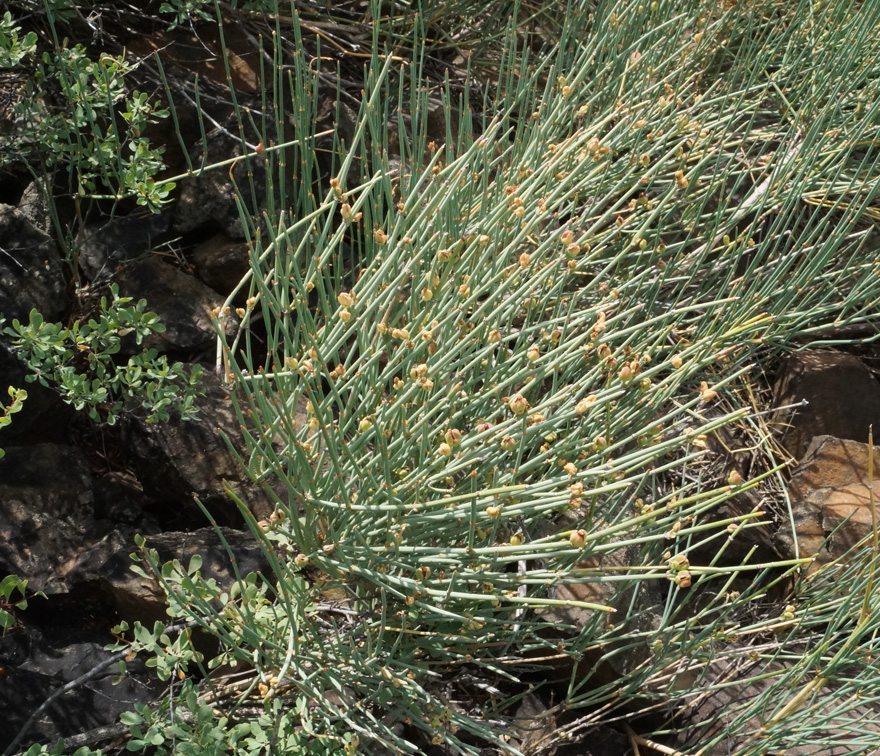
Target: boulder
[(34, 206), (31, 271), (62, 525), (106, 246), (639, 603), (221, 263), (208, 201), (139, 598), (46, 513), (44, 416), (537, 730), (843, 396), (37, 663), (714, 713), (182, 302), (829, 494), (179, 460)]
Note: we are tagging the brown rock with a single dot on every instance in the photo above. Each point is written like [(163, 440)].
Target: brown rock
[(844, 398), (202, 53), (221, 263), (637, 606), (535, 723), (829, 486), (140, 598)]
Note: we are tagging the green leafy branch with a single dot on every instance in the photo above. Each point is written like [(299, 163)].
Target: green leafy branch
[(80, 362), (14, 49), (95, 128), (10, 585), (18, 397)]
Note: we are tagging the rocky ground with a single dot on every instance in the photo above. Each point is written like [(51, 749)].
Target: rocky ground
[(74, 493)]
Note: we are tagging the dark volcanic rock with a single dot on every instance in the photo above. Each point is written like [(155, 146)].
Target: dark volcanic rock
[(46, 513), (36, 665), (59, 533), (182, 302), (44, 416), (31, 271), (178, 460), (106, 246), (208, 201)]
